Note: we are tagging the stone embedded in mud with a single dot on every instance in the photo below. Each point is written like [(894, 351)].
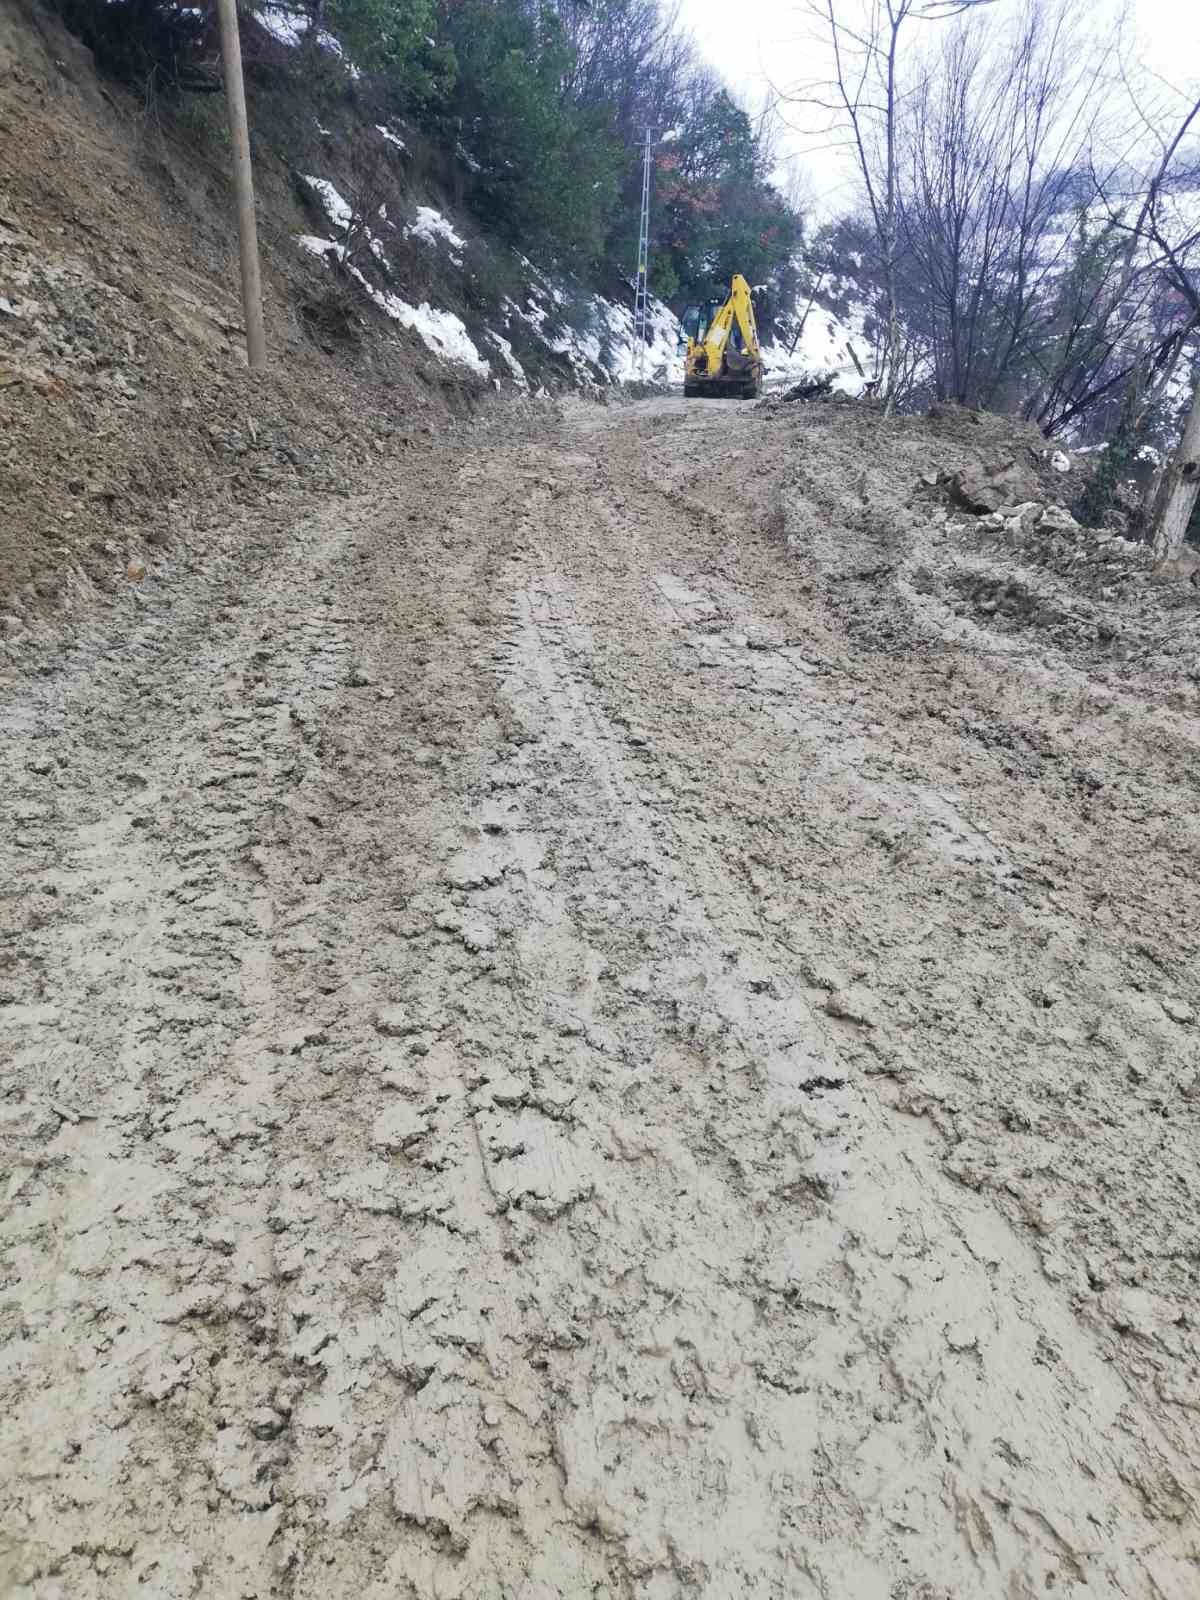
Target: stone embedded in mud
[(852, 1005), (1023, 517), (394, 1022), (1178, 1011), (981, 492), (1055, 519), (398, 1128), (474, 869), (264, 1423)]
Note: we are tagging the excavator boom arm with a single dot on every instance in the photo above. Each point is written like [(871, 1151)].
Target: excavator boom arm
[(741, 308), (718, 333)]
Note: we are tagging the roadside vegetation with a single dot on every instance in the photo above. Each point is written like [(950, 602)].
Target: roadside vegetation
[(1028, 234), (539, 108)]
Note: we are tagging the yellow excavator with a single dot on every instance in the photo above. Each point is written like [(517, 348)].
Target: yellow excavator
[(723, 357)]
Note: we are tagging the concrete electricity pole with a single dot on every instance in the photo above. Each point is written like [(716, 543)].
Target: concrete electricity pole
[(243, 183)]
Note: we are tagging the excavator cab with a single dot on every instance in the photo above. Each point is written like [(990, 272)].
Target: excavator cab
[(723, 358), (695, 321)]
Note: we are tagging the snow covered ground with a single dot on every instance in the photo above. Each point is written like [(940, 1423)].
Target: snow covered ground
[(595, 335), (432, 226), (288, 24), (828, 344)]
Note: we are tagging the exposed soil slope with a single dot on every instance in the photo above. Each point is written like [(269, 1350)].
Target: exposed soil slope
[(129, 423), (575, 1032)]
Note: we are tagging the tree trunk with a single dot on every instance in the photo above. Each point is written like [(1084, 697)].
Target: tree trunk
[(800, 330), (1177, 493), (889, 244)]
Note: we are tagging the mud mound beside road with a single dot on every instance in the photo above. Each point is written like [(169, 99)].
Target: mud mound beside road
[(923, 570)]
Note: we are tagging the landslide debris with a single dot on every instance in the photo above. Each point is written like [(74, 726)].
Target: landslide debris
[(963, 521)]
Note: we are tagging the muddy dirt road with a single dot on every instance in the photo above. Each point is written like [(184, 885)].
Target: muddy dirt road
[(567, 1035)]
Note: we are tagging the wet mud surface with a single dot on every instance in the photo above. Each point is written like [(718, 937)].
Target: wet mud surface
[(569, 1033)]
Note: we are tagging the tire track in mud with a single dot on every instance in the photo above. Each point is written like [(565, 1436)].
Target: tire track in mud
[(157, 1372), (147, 1378), (1025, 1504), (1058, 1052), (503, 1199)]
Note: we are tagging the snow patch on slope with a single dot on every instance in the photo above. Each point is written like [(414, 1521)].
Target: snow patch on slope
[(432, 227), (442, 331), (285, 25), (514, 366), (832, 342), (597, 340), (288, 25), (824, 347), (337, 210)]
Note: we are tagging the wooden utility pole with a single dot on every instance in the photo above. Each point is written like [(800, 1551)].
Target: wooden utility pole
[(243, 183)]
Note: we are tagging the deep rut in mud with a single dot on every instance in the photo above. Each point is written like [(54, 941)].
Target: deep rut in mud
[(544, 1063)]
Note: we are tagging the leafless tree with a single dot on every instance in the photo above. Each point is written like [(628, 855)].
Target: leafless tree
[(802, 319), (863, 99), (631, 56), (1165, 235), (995, 147), (798, 188)]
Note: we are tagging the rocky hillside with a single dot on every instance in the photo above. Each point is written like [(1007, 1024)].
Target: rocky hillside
[(128, 420)]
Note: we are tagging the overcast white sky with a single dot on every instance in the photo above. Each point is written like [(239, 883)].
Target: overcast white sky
[(755, 42)]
